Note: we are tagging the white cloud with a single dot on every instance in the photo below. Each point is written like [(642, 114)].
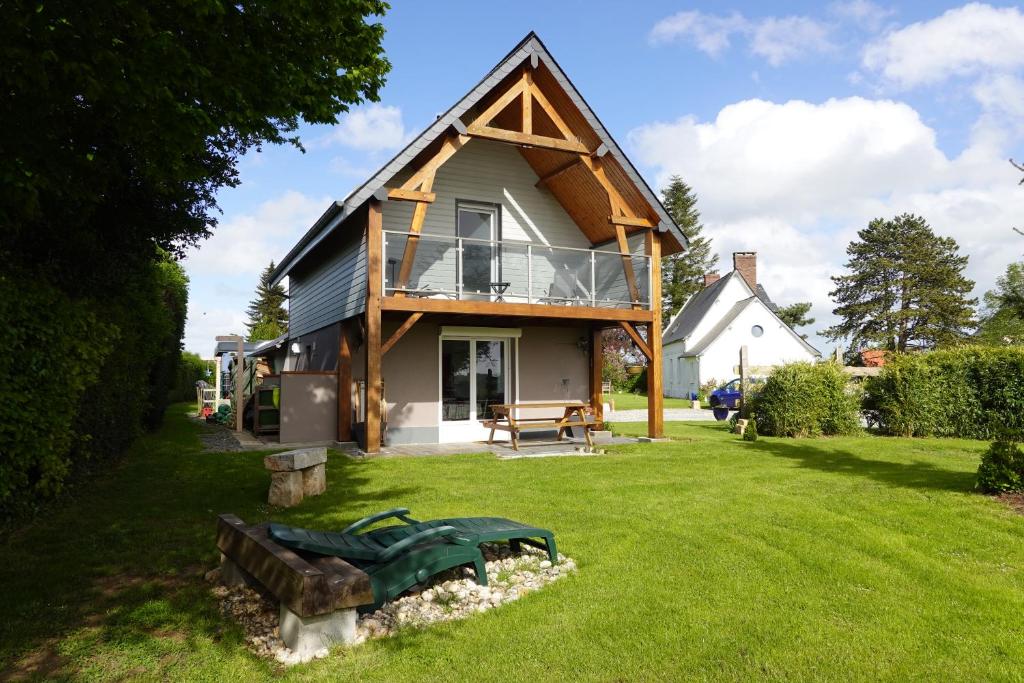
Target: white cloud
[(779, 40), (374, 128), (794, 181), (863, 13), (1001, 92), (964, 41), (709, 33), (783, 40)]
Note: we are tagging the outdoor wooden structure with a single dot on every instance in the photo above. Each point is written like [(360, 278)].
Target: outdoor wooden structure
[(308, 586), (528, 103), (505, 419)]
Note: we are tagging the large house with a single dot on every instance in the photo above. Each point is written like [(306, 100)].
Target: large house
[(702, 342), (477, 267)]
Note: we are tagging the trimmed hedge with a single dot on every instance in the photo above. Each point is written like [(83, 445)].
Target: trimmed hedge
[(970, 392), (806, 399), (82, 376)]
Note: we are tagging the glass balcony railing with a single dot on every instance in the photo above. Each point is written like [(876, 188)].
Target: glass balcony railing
[(465, 269)]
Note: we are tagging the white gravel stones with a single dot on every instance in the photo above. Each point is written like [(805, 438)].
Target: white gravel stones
[(451, 595)]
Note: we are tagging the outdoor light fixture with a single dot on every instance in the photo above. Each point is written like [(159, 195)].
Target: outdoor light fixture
[(296, 348)]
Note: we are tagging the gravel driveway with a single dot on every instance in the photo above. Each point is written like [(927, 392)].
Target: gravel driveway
[(671, 415)]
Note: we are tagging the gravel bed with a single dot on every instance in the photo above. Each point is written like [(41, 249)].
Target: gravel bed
[(450, 595), (217, 438)]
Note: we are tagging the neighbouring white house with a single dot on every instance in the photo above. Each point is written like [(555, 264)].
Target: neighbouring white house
[(702, 341)]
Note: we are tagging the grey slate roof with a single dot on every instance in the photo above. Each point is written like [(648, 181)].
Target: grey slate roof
[(694, 310), (713, 333), (530, 46)]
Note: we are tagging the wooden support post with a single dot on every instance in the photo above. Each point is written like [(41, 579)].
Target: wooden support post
[(238, 384), (596, 366), (374, 239), (419, 214), (627, 265), (655, 399), (744, 377), (527, 102), (344, 385)]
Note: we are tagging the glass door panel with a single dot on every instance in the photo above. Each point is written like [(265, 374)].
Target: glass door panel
[(478, 259), (455, 384), (490, 376)]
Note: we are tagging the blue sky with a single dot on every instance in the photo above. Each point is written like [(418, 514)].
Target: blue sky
[(795, 123)]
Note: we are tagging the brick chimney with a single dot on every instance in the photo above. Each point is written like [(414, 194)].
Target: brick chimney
[(745, 262), (711, 278)]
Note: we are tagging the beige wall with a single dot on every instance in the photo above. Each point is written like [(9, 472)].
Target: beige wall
[(410, 372), (552, 367), (309, 407)]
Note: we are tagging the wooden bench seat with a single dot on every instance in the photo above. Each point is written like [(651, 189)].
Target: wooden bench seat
[(574, 414)]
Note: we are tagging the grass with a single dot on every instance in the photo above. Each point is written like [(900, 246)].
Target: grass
[(705, 558), (639, 401)]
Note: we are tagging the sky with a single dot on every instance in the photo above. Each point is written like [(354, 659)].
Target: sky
[(795, 123)]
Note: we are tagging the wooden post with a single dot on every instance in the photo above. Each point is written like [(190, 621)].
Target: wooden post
[(596, 365), (744, 376), (238, 386), (655, 400), (374, 237), (344, 385)]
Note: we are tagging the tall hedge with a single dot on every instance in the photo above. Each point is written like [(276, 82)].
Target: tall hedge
[(969, 392), (82, 377), (806, 399)]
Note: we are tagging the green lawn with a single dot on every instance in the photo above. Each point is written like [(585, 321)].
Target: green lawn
[(639, 401), (705, 558)]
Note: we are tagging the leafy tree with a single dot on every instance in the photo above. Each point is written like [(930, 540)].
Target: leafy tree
[(682, 274), (1002, 319), (268, 318), (905, 288), (795, 315)]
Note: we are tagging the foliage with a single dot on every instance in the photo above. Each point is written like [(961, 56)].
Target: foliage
[(970, 392), (614, 370), (1002, 468), (1002, 319), (806, 399), (682, 274), (905, 288), (191, 368), (268, 318), (795, 315), (750, 431)]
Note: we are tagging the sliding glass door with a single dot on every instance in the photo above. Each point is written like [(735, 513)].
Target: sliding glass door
[(474, 377)]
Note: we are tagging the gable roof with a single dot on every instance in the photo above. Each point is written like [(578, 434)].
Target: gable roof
[(530, 48), (694, 310)]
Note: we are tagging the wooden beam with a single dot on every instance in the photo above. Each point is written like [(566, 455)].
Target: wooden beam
[(517, 89), (552, 113), (411, 195), (596, 374), (344, 385), (551, 175), (613, 240), (374, 240), (655, 387), (627, 265), (631, 221), (419, 214), (516, 138), (615, 200), (498, 308), (527, 102), (449, 147), (400, 332), (637, 339)]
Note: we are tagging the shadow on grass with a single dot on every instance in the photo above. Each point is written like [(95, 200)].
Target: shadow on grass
[(118, 570), (818, 455)]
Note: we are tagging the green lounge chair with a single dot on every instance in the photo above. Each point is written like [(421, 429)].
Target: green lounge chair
[(392, 565)]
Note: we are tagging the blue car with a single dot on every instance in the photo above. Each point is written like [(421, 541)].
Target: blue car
[(727, 396)]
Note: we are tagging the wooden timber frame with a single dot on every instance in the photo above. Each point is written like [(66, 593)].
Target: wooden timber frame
[(419, 189)]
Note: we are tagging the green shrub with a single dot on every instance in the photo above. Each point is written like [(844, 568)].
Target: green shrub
[(968, 392), (806, 399), (1002, 468), (750, 433), (191, 368)]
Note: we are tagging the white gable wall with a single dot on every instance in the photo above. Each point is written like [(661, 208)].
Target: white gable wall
[(735, 290), (777, 346)]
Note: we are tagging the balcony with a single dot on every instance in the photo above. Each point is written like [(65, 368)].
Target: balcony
[(467, 269)]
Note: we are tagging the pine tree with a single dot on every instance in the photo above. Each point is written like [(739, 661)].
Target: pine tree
[(682, 274), (795, 315), (905, 288), (1002, 321), (268, 318)]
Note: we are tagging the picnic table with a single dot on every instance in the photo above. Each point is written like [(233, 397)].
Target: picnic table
[(574, 414)]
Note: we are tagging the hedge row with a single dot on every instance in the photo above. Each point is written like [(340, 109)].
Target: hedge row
[(806, 399), (82, 376), (968, 392)]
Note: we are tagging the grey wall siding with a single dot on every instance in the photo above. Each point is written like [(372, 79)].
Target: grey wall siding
[(330, 285)]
